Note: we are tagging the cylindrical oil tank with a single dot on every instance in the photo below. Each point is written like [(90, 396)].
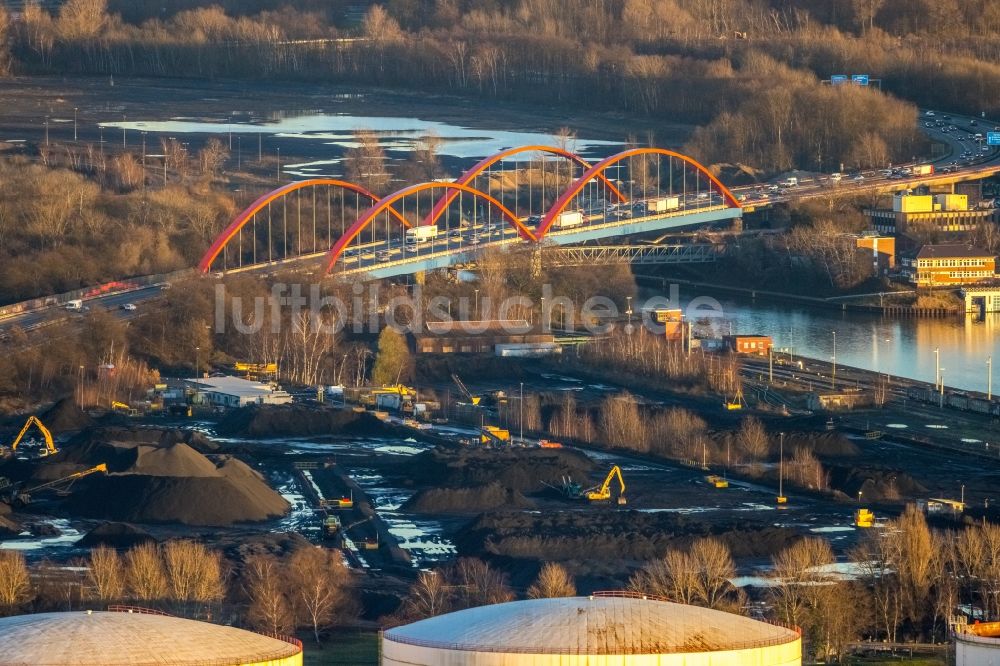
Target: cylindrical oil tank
[(134, 637), (600, 630)]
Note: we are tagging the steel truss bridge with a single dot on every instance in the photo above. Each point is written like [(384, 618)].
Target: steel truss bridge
[(524, 196), (587, 255)]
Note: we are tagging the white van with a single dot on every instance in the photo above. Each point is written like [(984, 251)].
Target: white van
[(74, 306)]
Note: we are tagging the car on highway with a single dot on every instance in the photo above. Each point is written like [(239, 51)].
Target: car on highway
[(382, 255), (859, 178), (128, 307), (474, 240)]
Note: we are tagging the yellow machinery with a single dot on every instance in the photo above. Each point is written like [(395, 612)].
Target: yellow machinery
[(736, 402), (864, 518), (717, 481), (50, 447), (257, 371), (474, 399), (603, 493), (24, 496), (124, 408), (494, 435)]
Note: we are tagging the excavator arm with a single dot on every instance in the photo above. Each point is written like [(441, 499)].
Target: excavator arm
[(474, 399), (33, 420), (604, 491)]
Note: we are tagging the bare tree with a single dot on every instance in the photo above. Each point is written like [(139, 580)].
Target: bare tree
[(428, 596), (264, 584), (753, 439), (365, 163), (15, 583), (106, 573), (553, 581), (379, 26), (146, 578), (194, 573), (700, 576), (317, 578), (212, 157)]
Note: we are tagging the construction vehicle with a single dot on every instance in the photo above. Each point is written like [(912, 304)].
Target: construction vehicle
[(18, 497), (180, 410), (864, 518), (331, 527), (494, 436), (473, 399), (717, 481), (547, 444), (569, 488), (50, 447), (737, 401), (124, 408), (603, 493)]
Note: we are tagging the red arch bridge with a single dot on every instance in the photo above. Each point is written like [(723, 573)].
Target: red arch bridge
[(525, 195)]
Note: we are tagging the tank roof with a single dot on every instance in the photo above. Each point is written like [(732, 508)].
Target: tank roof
[(597, 625), (118, 638)]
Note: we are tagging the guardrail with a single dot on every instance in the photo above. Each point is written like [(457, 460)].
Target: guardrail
[(141, 610)]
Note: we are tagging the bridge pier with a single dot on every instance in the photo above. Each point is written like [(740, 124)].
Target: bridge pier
[(420, 277)]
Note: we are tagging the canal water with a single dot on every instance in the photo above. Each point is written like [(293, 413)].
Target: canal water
[(898, 346)]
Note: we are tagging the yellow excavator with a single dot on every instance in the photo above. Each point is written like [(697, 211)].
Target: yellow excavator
[(19, 497), (50, 447), (473, 399), (124, 408), (603, 492)]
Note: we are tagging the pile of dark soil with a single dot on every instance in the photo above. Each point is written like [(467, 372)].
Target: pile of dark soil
[(115, 535), (8, 527), (824, 445), (523, 470), (263, 421), (610, 535), (156, 476), (875, 484), (467, 500), (66, 416)]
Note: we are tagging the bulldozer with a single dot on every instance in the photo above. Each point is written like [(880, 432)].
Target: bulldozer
[(603, 492), (864, 518), (50, 447)]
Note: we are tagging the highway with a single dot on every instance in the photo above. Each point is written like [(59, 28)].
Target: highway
[(964, 156)]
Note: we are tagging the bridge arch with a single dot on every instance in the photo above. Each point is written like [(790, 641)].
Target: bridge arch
[(560, 205), (205, 264), (484, 164), (385, 204)]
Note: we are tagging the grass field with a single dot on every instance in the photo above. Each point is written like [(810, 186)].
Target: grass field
[(341, 649)]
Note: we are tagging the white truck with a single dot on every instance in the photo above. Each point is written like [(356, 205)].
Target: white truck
[(791, 181), (569, 218), (74, 306), (663, 204), (422, 234)]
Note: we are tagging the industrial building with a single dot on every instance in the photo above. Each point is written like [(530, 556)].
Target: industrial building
[(977, 644), (236, 392), (495, 336), (613, 628), (880, 249), (748, 344), (929, 214), (949, 264), (86, 638)]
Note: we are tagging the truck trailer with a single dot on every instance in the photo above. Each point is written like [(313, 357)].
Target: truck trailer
[(923, 170), (570, 218), (663, 204), (422, 234)]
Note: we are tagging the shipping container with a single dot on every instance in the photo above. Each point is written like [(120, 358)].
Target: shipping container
[(663, 204)]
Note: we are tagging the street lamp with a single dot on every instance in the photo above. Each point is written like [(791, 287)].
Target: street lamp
[(46, 130), (833, 375), (75, 109), (197, 361), (520, 419), (937, 366), (989, 377), (123, 130), (477, 304)]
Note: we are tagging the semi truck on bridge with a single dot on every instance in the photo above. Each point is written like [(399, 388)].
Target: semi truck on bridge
[(422, 234)]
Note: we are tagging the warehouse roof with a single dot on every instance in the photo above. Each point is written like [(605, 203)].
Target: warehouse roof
[(598, 625), (951, 251), (232, 386), (116, 639)]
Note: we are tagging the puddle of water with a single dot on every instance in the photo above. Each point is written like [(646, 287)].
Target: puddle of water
[(395, 134), (896, 425), (832, 529), (65, 540), (970, 440), (936, 426), (399, 450)]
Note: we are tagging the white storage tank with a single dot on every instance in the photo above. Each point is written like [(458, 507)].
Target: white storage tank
[(132, 638), (601, 630), (978, 644)]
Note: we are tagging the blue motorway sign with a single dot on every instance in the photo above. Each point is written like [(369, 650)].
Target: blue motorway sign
[(838, 79), (859, 79), (993, 138)]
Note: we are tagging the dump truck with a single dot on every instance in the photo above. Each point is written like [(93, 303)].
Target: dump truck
[(567, 219), (493, 435)]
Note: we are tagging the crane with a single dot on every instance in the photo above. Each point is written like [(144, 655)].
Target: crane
[(24, 496), (50, 447), (474, 399), (599, 494)]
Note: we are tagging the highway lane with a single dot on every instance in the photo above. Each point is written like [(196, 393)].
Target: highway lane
[(36, 319)]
